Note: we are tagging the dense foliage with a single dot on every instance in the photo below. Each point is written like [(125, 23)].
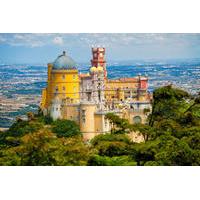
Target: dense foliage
[(65, 128), (171, 137)]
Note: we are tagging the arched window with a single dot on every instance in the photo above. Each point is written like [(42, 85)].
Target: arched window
[(137, 120)]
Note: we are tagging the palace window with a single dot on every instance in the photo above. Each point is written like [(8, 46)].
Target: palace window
[(106, 123), (83, 115), (137, 120), (63, 88), (74, 76), (89, 94), (63, 77)]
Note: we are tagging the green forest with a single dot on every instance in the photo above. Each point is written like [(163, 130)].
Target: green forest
[(171, 137)]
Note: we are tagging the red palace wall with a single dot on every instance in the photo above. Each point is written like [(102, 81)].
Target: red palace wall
[(143, 84), (99, 59)]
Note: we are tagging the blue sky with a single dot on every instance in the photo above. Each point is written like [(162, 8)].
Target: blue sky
[(43, 48)]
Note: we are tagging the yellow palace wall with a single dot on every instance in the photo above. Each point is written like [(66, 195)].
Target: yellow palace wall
[(67, 84), (63, 83), (112, 88), (43, 100), (71, 112), (99, 123)]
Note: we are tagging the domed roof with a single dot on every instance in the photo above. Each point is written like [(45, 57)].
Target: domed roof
[(64, 62), (93, 69), (100, 69)]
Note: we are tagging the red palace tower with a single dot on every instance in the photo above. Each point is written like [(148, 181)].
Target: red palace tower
[(99, 59)]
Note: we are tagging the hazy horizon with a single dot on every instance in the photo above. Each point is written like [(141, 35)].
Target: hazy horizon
[(45, 47)]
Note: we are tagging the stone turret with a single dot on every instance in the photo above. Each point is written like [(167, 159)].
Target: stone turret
[(98, 84), (55, 108)]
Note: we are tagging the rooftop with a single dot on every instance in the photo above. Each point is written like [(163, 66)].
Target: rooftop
[(64, 62)]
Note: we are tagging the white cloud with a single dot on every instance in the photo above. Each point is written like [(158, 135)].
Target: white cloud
[(58, 40), (26, 39), (98, 39), (2, 39)]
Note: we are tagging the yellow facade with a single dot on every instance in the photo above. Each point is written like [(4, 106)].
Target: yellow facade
[(62, 83), (116, 89), (43, 100), (65, 84), (47, 98), (99, 125), (71, 112), (87, 118), (92, 123)]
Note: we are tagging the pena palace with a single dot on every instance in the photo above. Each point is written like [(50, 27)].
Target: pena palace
[(87, 98)]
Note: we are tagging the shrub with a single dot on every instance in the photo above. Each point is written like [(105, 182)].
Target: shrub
[(65, 128)]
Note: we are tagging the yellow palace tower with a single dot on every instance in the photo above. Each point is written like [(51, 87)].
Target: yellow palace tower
[(62, 82)]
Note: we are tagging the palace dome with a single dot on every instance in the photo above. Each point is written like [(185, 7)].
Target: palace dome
[(64, 62), (100, 69), (93, 69)]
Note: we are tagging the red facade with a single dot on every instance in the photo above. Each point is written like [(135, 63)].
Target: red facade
[(143, 84), (99, 59)]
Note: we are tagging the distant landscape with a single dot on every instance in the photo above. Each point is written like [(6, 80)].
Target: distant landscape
[(21, 84)]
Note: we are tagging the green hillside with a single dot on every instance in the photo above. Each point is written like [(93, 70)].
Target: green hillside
[(172, 137)]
